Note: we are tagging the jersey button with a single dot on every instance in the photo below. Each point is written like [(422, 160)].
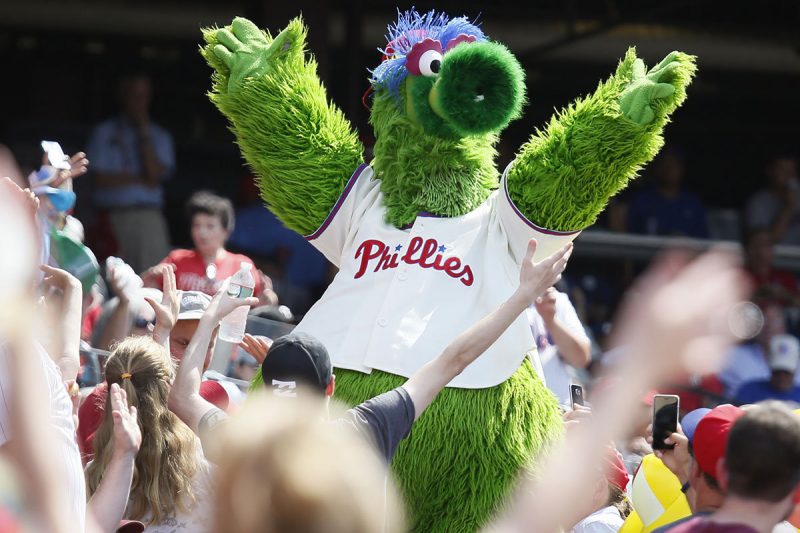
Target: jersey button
[(402, 276), (382, 322)]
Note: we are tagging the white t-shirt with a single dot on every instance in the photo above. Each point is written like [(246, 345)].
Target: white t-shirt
[(558, 374), (403, 294), (198, 517), (67, 458), (605, 520)]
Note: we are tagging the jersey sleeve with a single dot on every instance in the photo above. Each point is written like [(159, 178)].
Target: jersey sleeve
[(332, 237), (519, 230)]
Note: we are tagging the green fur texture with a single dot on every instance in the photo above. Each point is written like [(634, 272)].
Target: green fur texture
[(425, 172), (480, 88), (300, 146), (564, 176), (467, 449)]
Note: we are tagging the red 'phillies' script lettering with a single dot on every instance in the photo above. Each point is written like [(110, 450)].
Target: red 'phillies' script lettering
[(419, 252)]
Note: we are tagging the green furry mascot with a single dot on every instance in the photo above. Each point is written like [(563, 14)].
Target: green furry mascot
[(429, 236)]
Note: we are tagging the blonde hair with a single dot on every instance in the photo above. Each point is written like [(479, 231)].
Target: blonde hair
[(283, 469), (167, 459), (618, 499)]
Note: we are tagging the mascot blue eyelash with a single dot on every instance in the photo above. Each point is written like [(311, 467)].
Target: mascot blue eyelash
[(412, 27)]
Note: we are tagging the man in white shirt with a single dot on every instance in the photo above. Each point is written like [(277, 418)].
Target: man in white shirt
[(561, 341)]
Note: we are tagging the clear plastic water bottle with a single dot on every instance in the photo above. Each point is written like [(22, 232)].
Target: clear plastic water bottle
[(130, 281), (242, 284)]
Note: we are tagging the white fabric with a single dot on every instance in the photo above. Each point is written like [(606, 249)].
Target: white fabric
[(402, 295), (198, 518), (67, 458), (558, 374), (605, 520)]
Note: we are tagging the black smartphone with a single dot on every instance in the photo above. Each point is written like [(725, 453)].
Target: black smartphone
[(576, 393), (665, 419)]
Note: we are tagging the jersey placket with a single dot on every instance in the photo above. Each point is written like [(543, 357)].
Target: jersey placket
[(401, 286)]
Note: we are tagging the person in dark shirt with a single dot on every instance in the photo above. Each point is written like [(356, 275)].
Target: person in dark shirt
[(668, 209), (298, 361)]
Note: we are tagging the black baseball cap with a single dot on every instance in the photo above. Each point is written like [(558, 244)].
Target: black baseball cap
[(296, 359)]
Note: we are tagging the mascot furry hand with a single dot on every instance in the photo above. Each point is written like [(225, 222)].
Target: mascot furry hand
[(428, 238)]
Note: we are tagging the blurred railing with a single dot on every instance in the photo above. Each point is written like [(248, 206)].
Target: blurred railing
[(626, 246)]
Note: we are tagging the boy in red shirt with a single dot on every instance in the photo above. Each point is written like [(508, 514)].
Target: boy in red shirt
[(209, 263)]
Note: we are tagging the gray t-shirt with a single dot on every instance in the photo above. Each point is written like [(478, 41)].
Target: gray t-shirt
[(385, 419)]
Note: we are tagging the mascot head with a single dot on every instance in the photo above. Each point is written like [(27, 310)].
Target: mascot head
[(442, 94), (447, 77)]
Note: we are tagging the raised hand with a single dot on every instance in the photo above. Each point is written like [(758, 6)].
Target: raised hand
[(58, 279), (256, 345), (242, 50), (536, 278), (127, 433), (222, 305), (648, 90), (167, 310), (546, 305)]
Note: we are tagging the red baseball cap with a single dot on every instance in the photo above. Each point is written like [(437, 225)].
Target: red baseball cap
[(711, 437), (616, 474)]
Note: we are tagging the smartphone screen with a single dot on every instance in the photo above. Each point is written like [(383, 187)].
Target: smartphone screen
[(576, 393), (665, 419)]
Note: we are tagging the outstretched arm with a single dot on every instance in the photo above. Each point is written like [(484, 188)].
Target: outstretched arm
[(564, 176), (535, 278), (300, 146), (184, 396)]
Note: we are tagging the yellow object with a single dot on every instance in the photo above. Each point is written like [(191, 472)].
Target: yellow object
[(656, 497)]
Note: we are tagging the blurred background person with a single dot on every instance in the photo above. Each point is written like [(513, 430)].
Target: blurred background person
[(783, 360), (667, 208), (775, 208), (131, 157)]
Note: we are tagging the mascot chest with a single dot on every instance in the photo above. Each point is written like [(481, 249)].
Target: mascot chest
[(403, 294)]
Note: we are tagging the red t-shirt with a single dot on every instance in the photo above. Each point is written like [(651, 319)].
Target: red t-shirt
[(192, 273)]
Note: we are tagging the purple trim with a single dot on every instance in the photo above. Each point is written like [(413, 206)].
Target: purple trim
[(528, 222), (351, 182)]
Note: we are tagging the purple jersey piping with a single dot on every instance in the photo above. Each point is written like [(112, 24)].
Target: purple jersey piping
[(351, 182), (528, 222)]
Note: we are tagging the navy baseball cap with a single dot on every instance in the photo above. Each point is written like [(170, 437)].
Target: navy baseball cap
[(296, 359), (691, 419)]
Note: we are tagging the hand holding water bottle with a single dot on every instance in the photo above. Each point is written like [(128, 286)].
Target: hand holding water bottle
[(241, 286)]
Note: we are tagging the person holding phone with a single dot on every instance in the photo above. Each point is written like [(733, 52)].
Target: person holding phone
[(561, 341), (694, 461)]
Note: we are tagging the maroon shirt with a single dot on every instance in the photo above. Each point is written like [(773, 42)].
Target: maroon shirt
[(703, 525)]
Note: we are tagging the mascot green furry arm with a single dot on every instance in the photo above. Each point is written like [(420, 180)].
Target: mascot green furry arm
[(301, 147), (442, 94)]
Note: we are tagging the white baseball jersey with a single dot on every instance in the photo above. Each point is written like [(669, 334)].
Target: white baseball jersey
[(403, 294)]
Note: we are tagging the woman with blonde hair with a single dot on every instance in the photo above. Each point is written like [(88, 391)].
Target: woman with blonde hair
[(171, 481)]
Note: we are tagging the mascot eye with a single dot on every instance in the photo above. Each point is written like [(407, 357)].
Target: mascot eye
[(424, 58), (430, 62)]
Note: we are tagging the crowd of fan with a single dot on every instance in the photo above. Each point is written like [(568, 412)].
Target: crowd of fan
[(126, 401)]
